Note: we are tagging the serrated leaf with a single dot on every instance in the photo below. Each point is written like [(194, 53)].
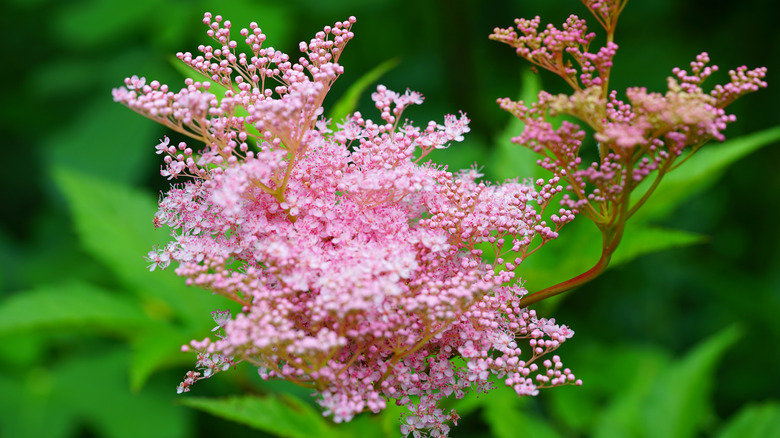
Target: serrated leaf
[(280, 415), (754, 421), (114, 224), (349, 100), (71, 305), (699, 172), (680, 401)]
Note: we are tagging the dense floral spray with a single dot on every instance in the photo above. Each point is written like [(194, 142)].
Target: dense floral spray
[(358, 265)]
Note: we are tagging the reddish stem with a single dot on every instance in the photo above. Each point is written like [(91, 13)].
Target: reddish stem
[(579, 280)]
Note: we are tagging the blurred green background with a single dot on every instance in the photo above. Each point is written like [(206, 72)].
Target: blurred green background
[(682, 342)]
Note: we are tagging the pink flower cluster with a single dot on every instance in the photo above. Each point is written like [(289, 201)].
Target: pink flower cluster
[(547, 48), (645, 134), (358, 266)]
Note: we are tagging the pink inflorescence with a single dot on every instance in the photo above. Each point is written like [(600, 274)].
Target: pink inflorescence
[(358, 266), (645, 134)]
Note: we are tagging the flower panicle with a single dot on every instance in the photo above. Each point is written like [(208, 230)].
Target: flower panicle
[(357, 265), (642, 136), (245, 102)]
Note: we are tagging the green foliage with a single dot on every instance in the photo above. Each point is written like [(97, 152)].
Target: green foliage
[(672, 400), (754, 421), (678, 404), (107, 212), (70, 305), (700, 172), (503, 412), (348, 102), (286, 416), (159, 349), (647, 395), (86, 332), (282, 416), (87, 392)]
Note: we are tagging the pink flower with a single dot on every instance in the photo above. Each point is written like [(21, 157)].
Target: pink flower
[(355, 262), (163, 146)]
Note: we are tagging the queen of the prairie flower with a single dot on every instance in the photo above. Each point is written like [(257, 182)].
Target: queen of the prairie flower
[(357, 264)]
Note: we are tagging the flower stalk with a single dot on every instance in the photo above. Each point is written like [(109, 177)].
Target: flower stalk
[(358, 265), (650, 133)]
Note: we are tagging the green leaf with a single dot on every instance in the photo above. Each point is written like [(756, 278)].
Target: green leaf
[(349, 101), (625, 376), (70, 305), (557, 261), (573, 407), (20, 350), (29, 414), (640, 239), (679, 404), (504, 414), (158, 350), (389, 420), (698, 173), (371, 425), (754, 421), (57, 400), (154, 410), (94, 141), (280, 415), (114, 223), (98, 22), (653, 397)]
